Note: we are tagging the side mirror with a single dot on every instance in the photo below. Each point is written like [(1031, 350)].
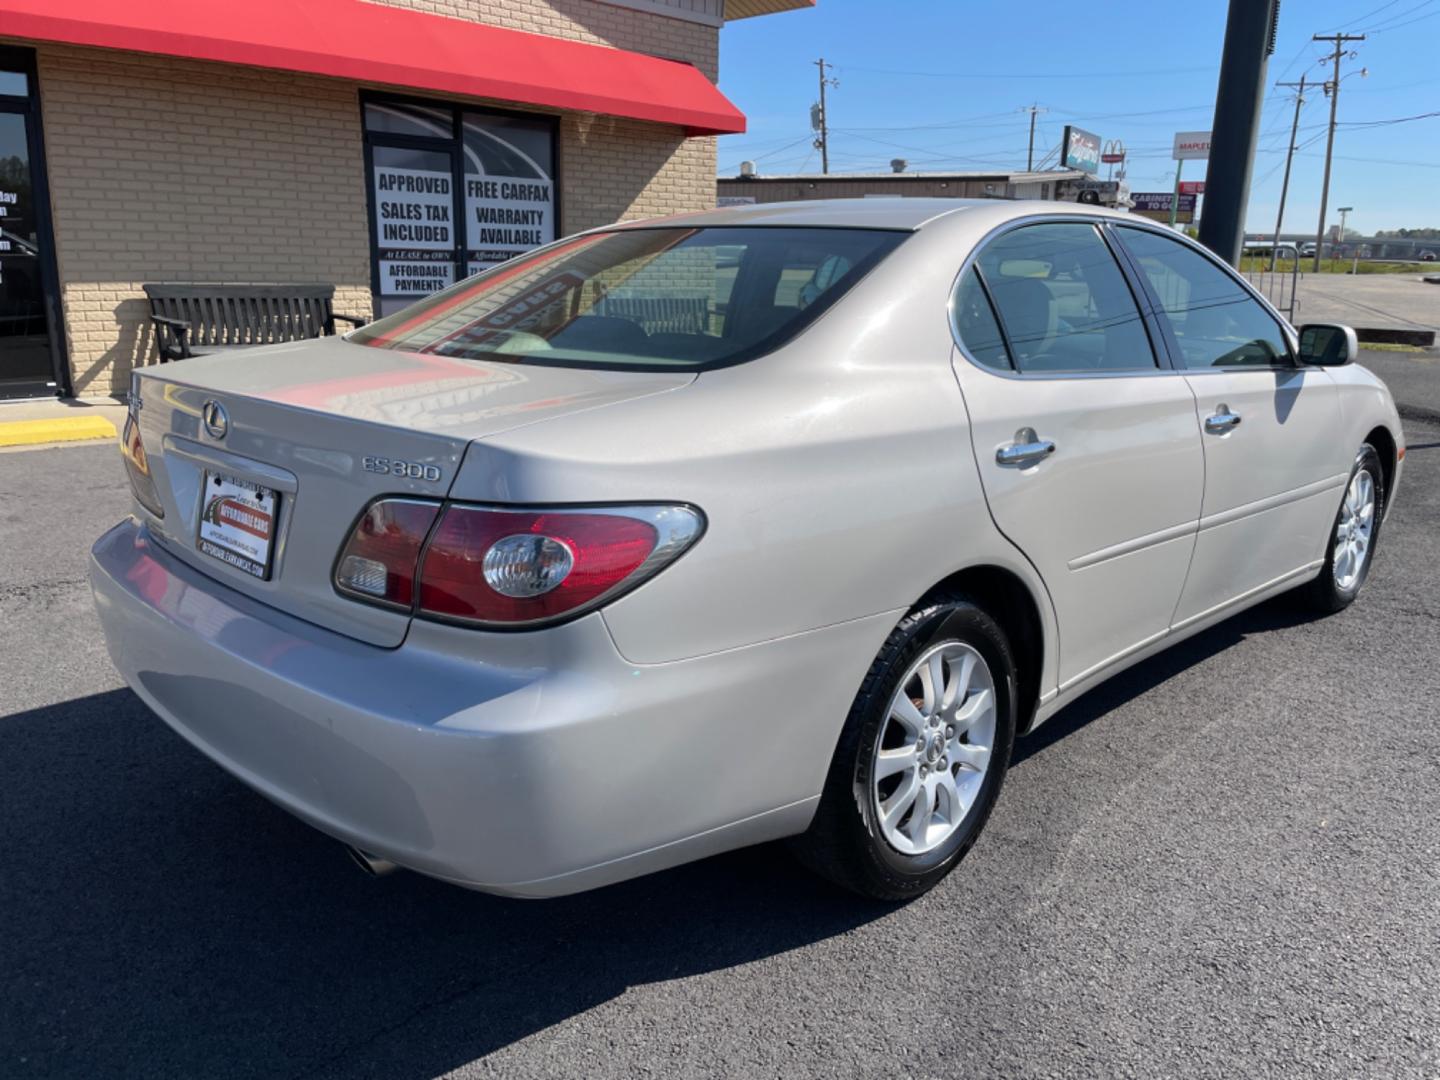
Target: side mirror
[(1328, 344)]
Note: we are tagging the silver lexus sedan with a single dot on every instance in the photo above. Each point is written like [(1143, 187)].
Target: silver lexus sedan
[(675, 536)]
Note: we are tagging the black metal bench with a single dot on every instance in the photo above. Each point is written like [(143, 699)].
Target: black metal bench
[(194, 319)]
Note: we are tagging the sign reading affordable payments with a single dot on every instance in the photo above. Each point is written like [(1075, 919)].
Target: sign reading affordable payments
[(1191, 146)]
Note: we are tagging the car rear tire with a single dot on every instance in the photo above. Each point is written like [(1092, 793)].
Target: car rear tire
[(1350, 547), (930, 733)]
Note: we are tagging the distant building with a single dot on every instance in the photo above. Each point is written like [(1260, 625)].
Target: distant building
[(757, 188)]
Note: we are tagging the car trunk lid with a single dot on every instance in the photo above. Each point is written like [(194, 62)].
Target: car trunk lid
[(328, 427)]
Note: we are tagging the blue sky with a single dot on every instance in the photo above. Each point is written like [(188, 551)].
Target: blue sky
[(943, 84)]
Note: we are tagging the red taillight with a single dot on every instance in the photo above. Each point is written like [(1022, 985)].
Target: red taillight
[(572, 558), (496, 567), (137, 467), (379, 560)]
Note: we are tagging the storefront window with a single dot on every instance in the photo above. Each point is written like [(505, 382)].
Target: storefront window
[(29, 350), (509, 188), (432, 166)]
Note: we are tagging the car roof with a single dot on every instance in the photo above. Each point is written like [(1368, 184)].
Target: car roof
[(889, 213)]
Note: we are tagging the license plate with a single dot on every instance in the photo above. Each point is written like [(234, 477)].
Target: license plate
[(237, 523)]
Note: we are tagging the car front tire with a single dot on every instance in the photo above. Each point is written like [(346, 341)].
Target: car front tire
[(1350, 547), (922, 755)]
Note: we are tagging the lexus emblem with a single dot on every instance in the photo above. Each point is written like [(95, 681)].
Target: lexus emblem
[(217, 422)]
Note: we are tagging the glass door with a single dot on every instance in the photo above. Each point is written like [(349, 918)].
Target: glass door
[(29, 354)]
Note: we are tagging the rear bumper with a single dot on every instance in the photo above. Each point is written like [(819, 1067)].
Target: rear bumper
[(529, 764)]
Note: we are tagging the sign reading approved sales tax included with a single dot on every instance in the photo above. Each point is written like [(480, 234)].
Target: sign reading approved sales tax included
[(459, 192)]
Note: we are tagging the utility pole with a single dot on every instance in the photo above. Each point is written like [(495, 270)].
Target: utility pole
[(1175, 198), (1289, 155), (822, 143), (1033, 110), (1249, 41), (1355, 263), (1333, 88)]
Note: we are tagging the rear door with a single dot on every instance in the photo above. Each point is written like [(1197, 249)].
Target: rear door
[(1088, 449), (1274, 468)]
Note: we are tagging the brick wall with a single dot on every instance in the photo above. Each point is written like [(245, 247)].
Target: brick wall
[(615, 170), (170, 170), (592, 21)]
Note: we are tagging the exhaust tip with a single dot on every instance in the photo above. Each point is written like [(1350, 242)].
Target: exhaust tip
[(372, 865)]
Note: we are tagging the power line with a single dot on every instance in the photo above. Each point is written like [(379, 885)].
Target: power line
[(1390, 20), (1387, 123), (1112, 74), (782, 149), (1303, 47), (1408, 22), (1367, 15)]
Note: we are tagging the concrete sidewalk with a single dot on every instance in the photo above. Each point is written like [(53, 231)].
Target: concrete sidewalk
[(56, 421), (1399, 301)]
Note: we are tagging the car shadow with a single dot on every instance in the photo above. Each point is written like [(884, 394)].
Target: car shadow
[(1278, 613), (163, 920)]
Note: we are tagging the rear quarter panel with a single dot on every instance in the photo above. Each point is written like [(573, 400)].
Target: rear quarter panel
[(836, 475)]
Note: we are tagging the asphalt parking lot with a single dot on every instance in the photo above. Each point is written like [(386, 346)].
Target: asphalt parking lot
[(1225, 862)]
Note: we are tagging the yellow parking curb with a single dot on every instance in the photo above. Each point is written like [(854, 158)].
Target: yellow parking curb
[(60, 429)]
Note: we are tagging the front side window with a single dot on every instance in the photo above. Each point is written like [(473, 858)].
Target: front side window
[(1063, 301), (641, 298), (1216, 322)]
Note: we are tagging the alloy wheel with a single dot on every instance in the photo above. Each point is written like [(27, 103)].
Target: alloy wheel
[(934, 748), (1354, 531)]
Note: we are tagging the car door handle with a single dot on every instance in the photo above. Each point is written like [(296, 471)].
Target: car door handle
[(1027, 448), (1222, 421)]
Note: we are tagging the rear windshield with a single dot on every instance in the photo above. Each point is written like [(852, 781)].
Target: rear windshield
[(641, 298)]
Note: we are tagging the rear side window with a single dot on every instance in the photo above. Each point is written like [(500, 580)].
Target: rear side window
[(1063, 303), (672, 298), (1215, 321), (975, 321)]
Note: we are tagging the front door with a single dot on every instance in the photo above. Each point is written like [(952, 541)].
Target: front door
[(29, 357), (1088, 448), (1274, 471)]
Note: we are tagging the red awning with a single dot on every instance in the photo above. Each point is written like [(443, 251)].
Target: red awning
[(350, 39)]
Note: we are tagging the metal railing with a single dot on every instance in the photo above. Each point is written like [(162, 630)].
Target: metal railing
[(1278, 283)]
